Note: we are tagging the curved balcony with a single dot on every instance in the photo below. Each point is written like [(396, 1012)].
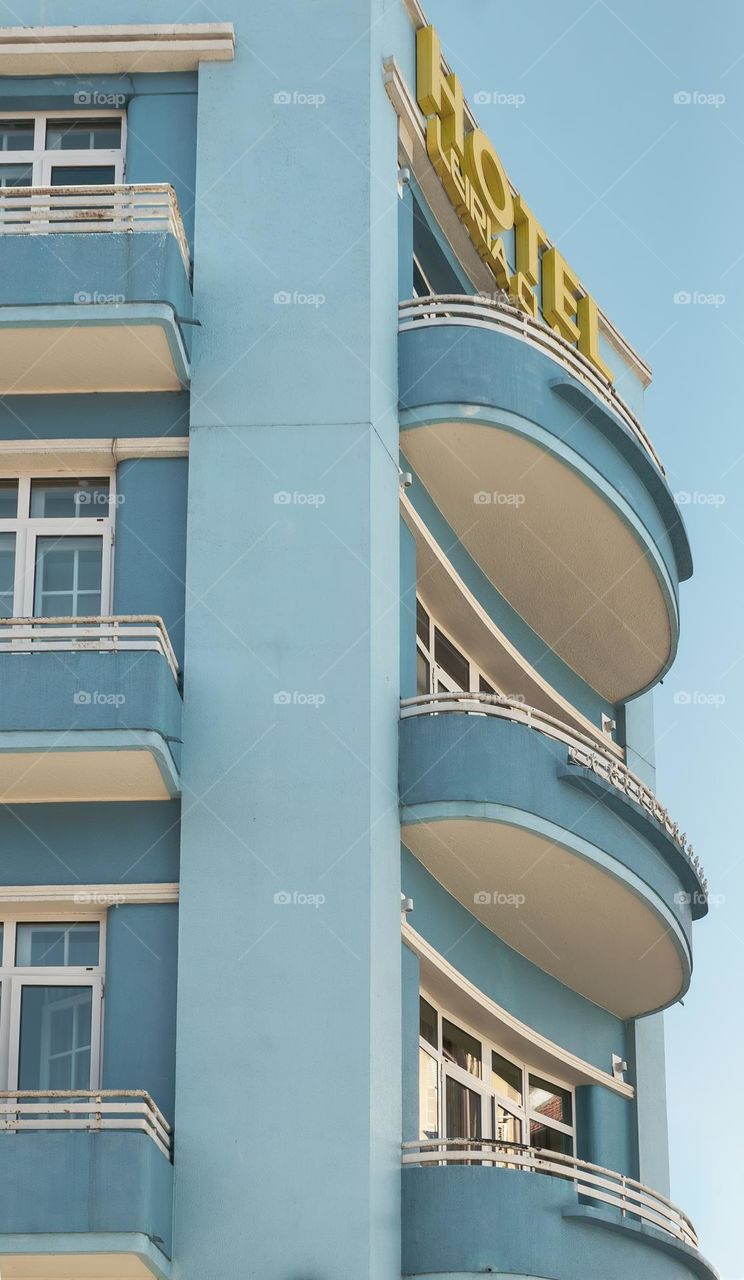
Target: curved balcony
[(549, 481), (474, 1207), (111, 315), (553, 844)]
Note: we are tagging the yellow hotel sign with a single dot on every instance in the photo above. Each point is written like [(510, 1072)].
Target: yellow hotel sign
[(476, 183)]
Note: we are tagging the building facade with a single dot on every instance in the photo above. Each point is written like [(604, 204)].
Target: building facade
[(338, 909)]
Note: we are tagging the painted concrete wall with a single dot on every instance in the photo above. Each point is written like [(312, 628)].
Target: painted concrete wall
[(300, 597), (90, 843)]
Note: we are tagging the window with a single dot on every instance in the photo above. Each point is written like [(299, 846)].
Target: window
[(440, 665), (62, 149), (459, 1099), (51, 991), (56, 539)]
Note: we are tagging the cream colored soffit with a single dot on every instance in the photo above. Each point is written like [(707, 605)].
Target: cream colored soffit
[(52, 457), (113, 50), (459, 996), (86, 896), (412, 147)]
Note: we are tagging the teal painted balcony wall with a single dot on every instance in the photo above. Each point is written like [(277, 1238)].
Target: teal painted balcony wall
[(90, 843), (150, 565), (481, 367), (38, 693), (76, 1182), (94, 417), (470, 1220), (139, 1033)]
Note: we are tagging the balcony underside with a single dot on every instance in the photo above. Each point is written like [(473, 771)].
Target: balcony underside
[(565, 555), (115, 347), (95, 766), (125, 1258), (583, 883)]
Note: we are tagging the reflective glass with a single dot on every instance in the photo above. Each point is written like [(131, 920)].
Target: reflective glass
[(7, 574), (428, 1096), (83, 134), (17, 135), (462, 1048), (506, 1078), (550, 1100), (69, 499), (55, 1038), (55, 943), (68, 577)]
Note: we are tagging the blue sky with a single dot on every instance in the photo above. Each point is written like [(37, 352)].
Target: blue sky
[(641, 194)]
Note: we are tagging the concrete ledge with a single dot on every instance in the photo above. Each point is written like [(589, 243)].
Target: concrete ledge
[(694, 1261), (43, 51)]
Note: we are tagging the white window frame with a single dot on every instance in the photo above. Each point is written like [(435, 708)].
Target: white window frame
[(28, 530), (42, 161), (439, 679), (490, 1097), (13, 979)]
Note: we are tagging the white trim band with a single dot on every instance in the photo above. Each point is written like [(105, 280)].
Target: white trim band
[(72, 50), (88, 895)]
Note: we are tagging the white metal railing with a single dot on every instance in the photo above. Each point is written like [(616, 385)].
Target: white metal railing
[(138, 207), (583, 751), (86, 1109), (462, 309), (592, 1180), (102, 634)]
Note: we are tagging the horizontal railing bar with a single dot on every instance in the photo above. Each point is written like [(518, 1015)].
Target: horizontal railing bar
[(466, 309), (591, 1180), (583, 750), (81, 1109), (107, 633)]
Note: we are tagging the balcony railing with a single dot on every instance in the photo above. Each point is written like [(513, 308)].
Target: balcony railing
[(478, 312), (86, 1109), (583, 751), (104, 634), (592, 1180), (140, 207)]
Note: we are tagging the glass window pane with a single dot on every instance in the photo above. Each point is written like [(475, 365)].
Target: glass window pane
[(8, 499), (428, 1022), (463, 1107), (83, 134), (541, 1135), (422, 674), (83, 175), (7, 574), (74, 943), (55, 1038), (422, 623), (508, 1126), (451, 660), (16, 135), (550, 1100), (484, 686), (68, 577), (69, 499), (506, 1078), (428, 1096), (462, 1048), (16, 175)]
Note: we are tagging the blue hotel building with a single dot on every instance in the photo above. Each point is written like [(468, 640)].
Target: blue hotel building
[(339, 912)]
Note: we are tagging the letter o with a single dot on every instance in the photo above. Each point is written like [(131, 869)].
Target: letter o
[(488, 176)]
